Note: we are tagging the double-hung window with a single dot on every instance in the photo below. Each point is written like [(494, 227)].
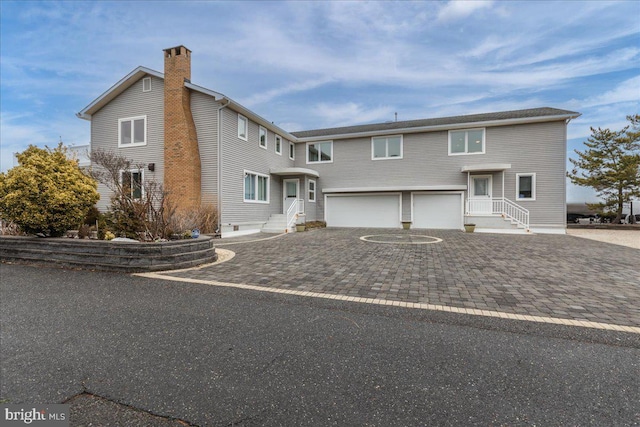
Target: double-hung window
[(131, 181), (256, 187), (466, 142), (312, 190), (132, 131), (262, 137), (278, 144), (320, 152), (526, 186), (386, 147), (243, 127)]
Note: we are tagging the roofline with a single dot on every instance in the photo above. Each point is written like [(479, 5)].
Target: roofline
[(434, 128), (116, 89), (260, 120), (456, 187)]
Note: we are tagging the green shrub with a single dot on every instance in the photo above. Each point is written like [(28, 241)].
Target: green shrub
[(47, 192)]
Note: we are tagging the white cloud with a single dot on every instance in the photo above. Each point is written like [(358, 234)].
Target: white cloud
[(350, 113), (457, 9)]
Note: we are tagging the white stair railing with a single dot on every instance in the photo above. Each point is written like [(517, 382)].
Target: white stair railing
[(296, 209), (500, 206), (292, 214), (512, 211)]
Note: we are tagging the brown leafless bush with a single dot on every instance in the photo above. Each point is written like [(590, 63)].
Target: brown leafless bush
[(204, 218)]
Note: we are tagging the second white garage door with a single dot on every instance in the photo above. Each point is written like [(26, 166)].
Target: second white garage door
[(440, 211), (370, 210)]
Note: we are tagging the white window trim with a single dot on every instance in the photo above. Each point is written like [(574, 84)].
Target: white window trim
[(275, 143), (466, 142), (292, 151), (257, 174), (533, 187), (315, 189), (266, 137), (319, 161), (144, 83), (132, 120), (246, 127), (387, 147), (135, 170)]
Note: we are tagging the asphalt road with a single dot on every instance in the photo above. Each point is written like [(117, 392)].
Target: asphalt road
[(220, 356)]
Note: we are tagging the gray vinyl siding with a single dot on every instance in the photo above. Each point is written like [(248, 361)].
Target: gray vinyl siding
[(132, 102), (530, 148), (239, 156), (205, 116)]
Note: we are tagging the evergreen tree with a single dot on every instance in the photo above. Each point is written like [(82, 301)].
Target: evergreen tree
[(610, 165)]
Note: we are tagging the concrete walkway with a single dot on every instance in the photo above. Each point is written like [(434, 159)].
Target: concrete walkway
[(549, 276)]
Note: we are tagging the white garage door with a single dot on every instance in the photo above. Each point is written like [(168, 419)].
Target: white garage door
[(380, 210), (441, 211)]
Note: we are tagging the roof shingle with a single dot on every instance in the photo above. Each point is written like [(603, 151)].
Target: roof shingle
[(443, 121)]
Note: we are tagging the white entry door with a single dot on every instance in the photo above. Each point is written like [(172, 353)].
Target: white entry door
[(480, 200), (290, 193)]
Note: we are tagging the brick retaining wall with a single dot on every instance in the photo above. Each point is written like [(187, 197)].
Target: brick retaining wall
[(110, 256)]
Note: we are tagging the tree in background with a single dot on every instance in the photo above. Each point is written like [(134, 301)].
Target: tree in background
[(47, 193), (610, 165)]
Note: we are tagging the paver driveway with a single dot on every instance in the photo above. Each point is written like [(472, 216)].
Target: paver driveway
[(541, 275)]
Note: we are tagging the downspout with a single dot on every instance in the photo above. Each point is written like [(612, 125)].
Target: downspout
[(219, 165), (466, 203)]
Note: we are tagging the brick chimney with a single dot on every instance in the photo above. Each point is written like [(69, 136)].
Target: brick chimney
[(182, 169)]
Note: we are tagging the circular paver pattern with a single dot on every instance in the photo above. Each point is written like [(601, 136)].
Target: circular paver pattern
[(401, 239)]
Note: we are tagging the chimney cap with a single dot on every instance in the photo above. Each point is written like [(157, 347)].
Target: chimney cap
[(177, 48)]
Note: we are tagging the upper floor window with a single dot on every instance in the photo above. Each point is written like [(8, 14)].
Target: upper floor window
[(131, 181), (132, 131), (386, 147), (146, 84), (466, 141), (262, 137), (243, 127), (320, 152), (278, 145), (292, 151), (256, 187), (526, 186)]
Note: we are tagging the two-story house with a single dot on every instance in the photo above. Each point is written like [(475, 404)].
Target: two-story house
[(502, 171)]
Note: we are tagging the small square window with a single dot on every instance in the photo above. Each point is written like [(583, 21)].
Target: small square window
[(466, 142), (278, 145), (386, 147), (320, 152), (243, 126), (526, 186), (132, 132), (262, 137)]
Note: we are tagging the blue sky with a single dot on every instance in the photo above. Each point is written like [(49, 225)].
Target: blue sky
[(306, 65)]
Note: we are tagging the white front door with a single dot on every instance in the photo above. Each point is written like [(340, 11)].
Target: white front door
[(290, 193), (480, 200)]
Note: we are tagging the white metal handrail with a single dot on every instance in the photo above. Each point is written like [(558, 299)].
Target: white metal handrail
[(296, 208), (513, 211), (501, 206)]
